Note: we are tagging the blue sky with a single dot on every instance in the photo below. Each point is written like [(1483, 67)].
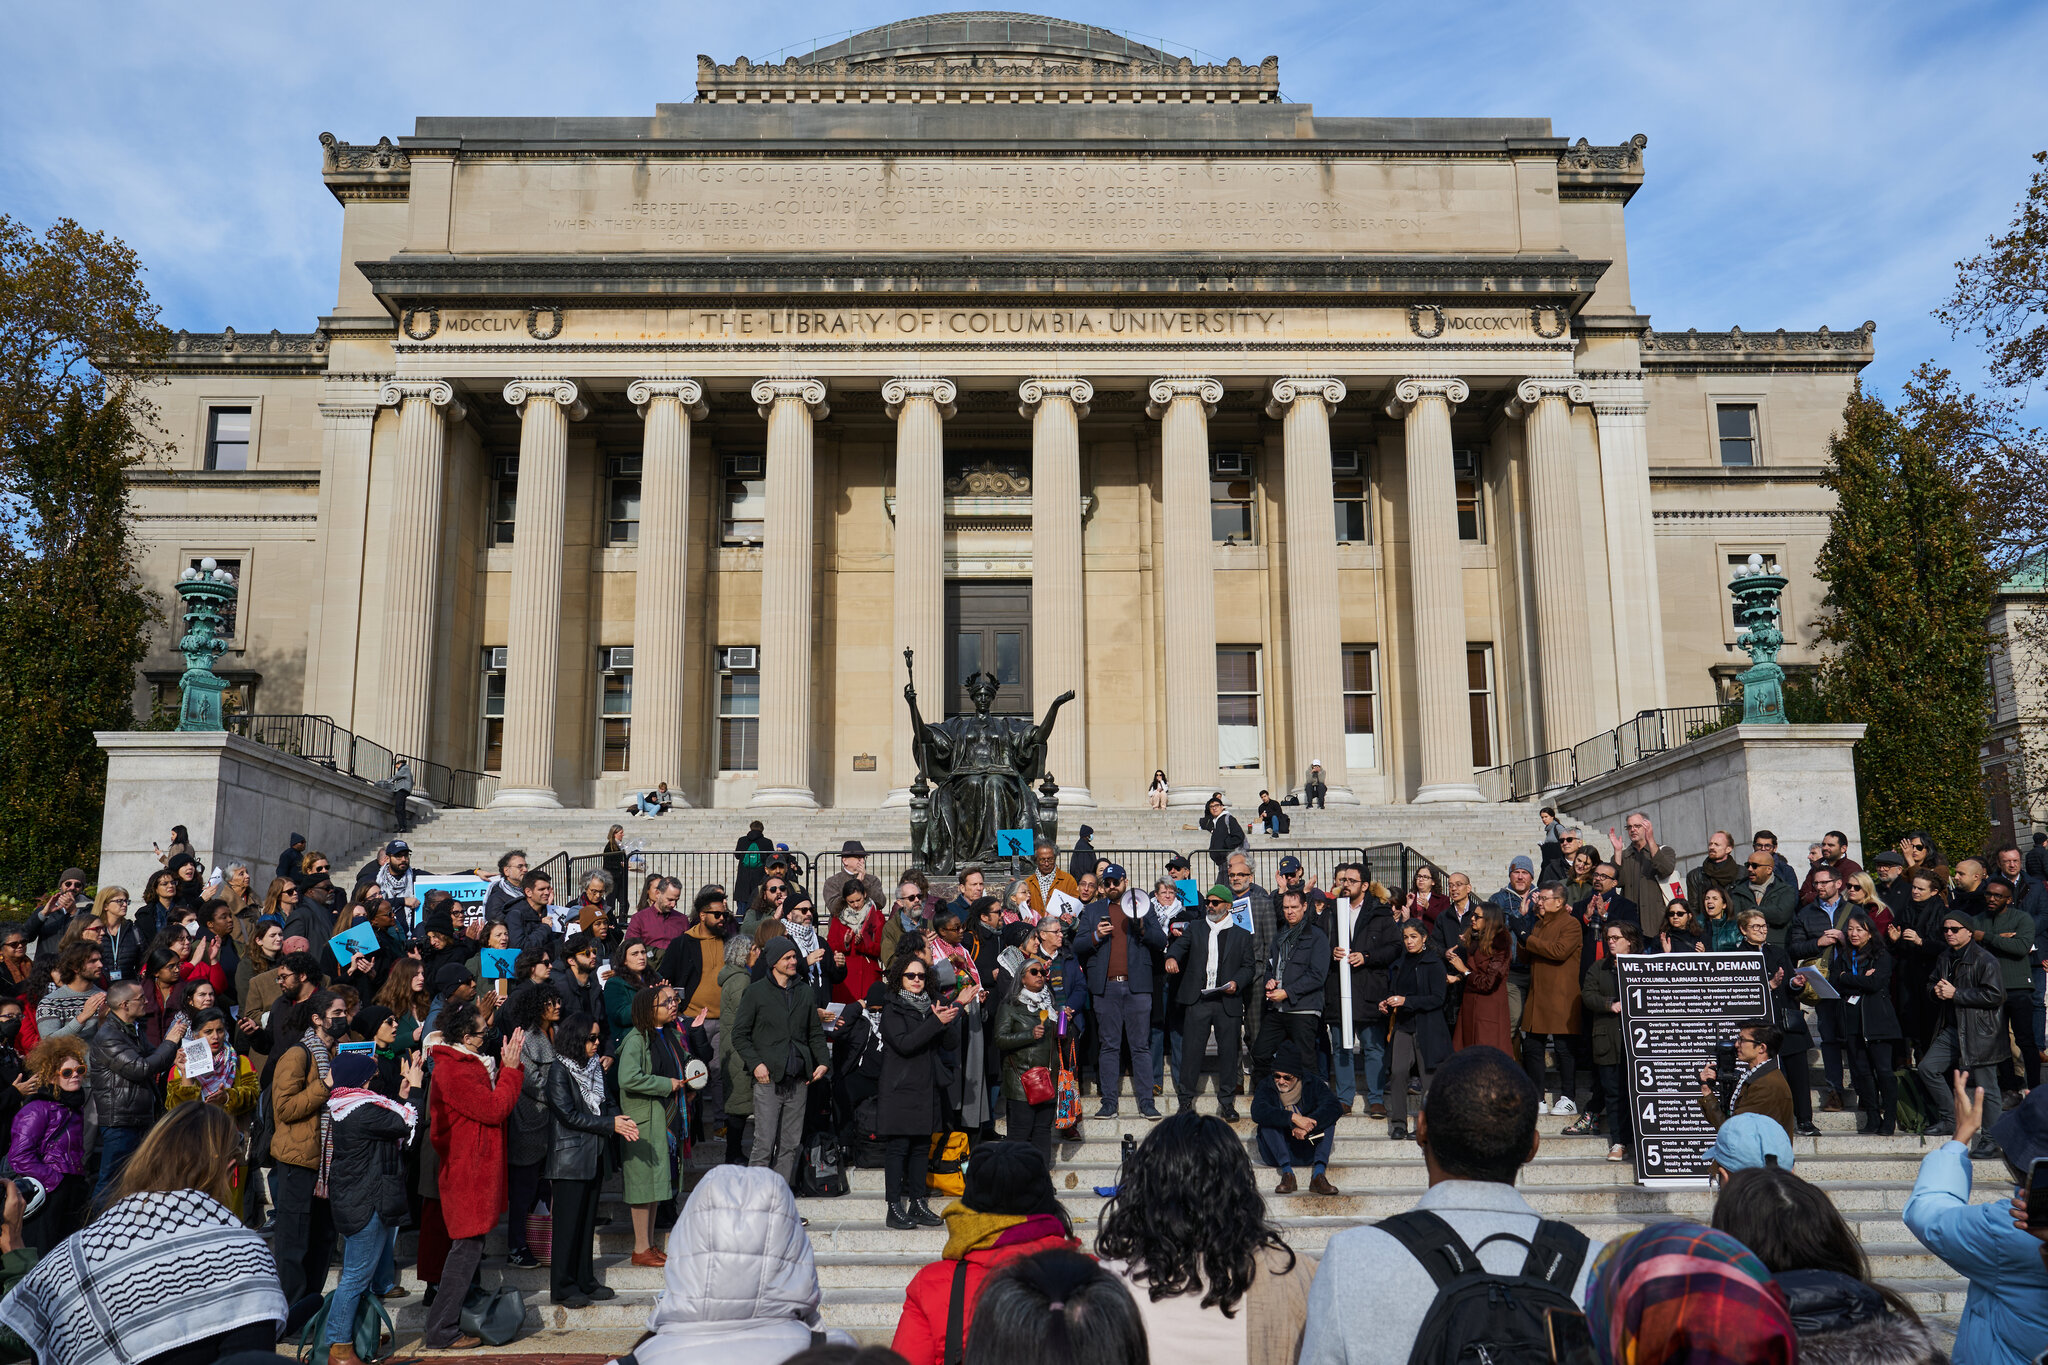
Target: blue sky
[(1809, 163)]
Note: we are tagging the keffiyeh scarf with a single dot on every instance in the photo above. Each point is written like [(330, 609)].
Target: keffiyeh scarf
[(1681, 1294), (154, 1273), (589, 1080), (322, 1063), (805, 937), (226, 1063), (345, 1100)]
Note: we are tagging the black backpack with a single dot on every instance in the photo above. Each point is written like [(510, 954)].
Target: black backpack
[(1482, 1318)]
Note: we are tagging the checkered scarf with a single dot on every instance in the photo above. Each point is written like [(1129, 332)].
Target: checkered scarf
[(323, 1064), (1681, 1294)]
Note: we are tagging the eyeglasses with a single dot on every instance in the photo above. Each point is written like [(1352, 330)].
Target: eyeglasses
[(71, 886), (117, 900), (71, 1072)]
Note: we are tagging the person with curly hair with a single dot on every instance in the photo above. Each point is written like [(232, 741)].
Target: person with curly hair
[(1187, 1233), (48, 1141)]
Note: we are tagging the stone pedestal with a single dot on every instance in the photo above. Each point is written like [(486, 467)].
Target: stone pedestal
[(1798, 780), (240, 801)]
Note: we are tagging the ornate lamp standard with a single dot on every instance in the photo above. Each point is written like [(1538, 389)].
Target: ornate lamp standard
[(1756, 586), (209, 592)]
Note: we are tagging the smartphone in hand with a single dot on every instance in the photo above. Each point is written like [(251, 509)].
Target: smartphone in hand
[(2037, 1195)]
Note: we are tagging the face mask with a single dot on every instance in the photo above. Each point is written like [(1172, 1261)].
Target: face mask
[(192, 927), (11, 1026)]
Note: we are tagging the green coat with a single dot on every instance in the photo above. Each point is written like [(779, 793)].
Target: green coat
[(644, 1098), (618, 1005), (771, 1022), (1021, 1052), (733, 979)]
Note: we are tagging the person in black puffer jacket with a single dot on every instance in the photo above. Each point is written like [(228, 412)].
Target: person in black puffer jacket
[(366, 1185), (585, 1119)]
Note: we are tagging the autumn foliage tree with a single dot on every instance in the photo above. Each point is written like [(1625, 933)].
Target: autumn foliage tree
[(73, 611)]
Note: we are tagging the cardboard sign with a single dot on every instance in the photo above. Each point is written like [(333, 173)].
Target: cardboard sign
[(1674, 1008)]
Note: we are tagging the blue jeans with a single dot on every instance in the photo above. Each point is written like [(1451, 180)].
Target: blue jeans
[(116, 1146), (360, 1257), (1123, 1016), (647, 807), (1282, 1150), (1371, 1059), (1343, 1065)]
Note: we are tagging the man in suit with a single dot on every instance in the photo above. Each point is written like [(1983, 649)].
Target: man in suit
[(1210, 964)]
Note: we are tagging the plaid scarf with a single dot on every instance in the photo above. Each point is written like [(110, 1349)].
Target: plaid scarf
[(322, 1063), (1681, 1294)]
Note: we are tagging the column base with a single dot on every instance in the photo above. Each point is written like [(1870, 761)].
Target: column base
[(791, 798), (1077, 798), (1440, 792), (1186, 798), (526, 798), (1332, 796), (897, 799)]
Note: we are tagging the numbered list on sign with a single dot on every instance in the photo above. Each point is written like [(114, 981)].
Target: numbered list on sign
[(1674, 1008)]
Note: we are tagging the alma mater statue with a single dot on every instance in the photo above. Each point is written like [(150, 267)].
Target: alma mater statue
[(974, 776)]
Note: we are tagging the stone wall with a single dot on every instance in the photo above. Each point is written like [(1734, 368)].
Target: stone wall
[(1798, 781), (240, 801)]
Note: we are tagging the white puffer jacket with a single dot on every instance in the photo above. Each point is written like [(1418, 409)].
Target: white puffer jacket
[(742, 1283)]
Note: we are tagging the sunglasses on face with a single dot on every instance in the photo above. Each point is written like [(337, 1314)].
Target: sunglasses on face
[(71, 1072), (72, 886), (913, 976), (13, 943)]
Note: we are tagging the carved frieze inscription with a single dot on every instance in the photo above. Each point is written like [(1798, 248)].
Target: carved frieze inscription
[(943, 324), (909, 204)]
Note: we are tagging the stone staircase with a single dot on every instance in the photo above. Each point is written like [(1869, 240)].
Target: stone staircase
[(864, 1266), (1476, 839)]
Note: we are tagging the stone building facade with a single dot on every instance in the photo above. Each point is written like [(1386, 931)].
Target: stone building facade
[(640, 449)]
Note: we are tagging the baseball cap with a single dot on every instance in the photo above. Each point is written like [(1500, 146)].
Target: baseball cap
[(1113, 873), (1746, 1139), (397, 848), (1176, 861), (1290, 865)]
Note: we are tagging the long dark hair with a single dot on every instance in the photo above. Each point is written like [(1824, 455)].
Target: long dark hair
[(1791, 1225), (1875, 949), (1187, 1214), (1056, 1308)]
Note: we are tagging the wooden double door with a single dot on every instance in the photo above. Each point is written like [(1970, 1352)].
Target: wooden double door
[(988, 630)]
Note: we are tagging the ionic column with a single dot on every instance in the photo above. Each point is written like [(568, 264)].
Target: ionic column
[(919, 408), (1557, 558), (1183, 407), (661, 576), (1314, 617), (1638, 607), (1058, 637), (790, 406), (413, 556), (533, 634), (1436, 579)]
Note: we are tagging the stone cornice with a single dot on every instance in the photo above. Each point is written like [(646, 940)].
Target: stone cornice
[(1737, 351), (1739, 474), (939, 79), (229, 351), (446, 280), (223, 479), (1588, 172), (357, 172)]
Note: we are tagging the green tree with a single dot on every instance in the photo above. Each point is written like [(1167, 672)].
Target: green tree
[(1908, 594), (73, 611)]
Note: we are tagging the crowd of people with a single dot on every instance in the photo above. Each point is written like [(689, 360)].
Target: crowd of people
[(308, 1064)]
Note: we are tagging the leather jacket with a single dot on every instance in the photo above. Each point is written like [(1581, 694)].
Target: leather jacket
[(124, 1077), (1975, 1011), (582, 1139)]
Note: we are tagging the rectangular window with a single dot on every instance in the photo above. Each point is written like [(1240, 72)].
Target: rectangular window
[(1479, 682), (227, 438), (1735, 426), (233, 566), (739, 720), (1354, 523), (1230, 509), (1237, 706), (1361, 708), (622, 497), (745, 500), (615, 718), (493, 693), (504, 497), (1471, 519)]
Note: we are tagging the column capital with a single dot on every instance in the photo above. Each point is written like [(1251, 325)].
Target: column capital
[(1531, 392), (439, 392), (1032, 392), (1165, 391), (897, 392), (562, 391), (1287, 392), (810, 392), (688, 392), (1408, 392)]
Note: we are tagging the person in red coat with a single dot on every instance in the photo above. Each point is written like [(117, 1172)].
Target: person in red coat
[(469, 1107), (856, 935), (1008, 1210)]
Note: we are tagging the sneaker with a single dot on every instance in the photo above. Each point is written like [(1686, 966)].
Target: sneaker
[(1564, 1107), (1543, 1107), (1227, 1115), (1617, 1153), (1941, 1129), (1151, 1113), (523, 1258), (1807, 1130), (1107, 1111)]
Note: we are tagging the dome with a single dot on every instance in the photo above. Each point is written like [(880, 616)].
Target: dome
[(977, 34)]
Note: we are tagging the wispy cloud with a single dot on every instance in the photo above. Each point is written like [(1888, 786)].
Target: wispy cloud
[(1814, 163)]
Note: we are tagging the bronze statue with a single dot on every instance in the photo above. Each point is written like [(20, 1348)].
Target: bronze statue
[(975, 776)]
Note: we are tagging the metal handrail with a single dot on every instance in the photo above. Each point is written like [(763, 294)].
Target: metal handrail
[(317, 739), (1644, 735)]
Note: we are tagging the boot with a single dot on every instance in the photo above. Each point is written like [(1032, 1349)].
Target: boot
[(922, 1212), (343, 1353), (899, 1216)]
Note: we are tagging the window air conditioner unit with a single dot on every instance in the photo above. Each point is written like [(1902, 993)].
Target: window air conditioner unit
[(1345, 463), (739, 657), (1230, 464), (618, 657), (1465, 463), (494, 657), (746, 466)]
